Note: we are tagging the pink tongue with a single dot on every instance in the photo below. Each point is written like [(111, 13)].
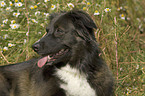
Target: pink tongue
[(42, 62)]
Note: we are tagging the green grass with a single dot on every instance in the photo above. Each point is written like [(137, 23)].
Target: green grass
[(122, 41)]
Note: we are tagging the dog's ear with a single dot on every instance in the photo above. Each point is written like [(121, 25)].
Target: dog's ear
[(82, 20)]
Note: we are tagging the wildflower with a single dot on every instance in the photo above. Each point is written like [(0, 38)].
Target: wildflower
[(16, 0), (53, 7), (31, 7), (2, 3), (70, 5), (138, 19), (13, 22), (5, 49), (96, 12), (107, 10), (11, 45), (2, 25), (34, 21), (37, 13), (122, 16), (35, 6), (11, 4), (137, 67), (127, 93), (14, 26), (16, 14), (88, 3), (27, 34), (5, 36), (84, 2), (121, 69), (25, 41), (128, 18), (8, 8), (22, 0), (46, 0), (84, 8), (19, 4), (38, 3), (5, 21), (97, 5), (46, 14), (39, 32), (120, 8)]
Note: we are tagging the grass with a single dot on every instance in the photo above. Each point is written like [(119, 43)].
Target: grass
[(121, 37)]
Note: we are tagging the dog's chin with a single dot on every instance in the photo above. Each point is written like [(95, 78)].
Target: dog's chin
[(54, 58)]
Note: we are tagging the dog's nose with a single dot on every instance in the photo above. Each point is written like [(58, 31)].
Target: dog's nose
[(36, 47)]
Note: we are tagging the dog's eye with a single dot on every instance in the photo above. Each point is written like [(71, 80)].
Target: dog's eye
[(58, 30)]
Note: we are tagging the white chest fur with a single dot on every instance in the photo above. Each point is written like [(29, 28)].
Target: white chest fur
[(75, 83)]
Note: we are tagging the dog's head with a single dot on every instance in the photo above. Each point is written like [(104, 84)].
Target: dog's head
[(67, 34)]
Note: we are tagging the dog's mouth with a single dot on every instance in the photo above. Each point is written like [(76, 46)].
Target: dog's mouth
[(49, 59)]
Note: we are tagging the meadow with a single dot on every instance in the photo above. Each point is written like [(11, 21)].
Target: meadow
[(120, 34)]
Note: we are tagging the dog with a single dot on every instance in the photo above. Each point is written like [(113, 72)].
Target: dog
[(69, 62)]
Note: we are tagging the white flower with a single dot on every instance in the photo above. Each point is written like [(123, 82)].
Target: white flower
[(8, 8), (107, 10), (19, 4), (138, 19), (5, 36), (11, 4), (128, 18), (2, 3), (38, 3), (46, 14), (25, 41), (34, 21), (13, 22), (14, 26), (120, 8), (5, 48), (137, 67), (11, 45), (31, 7), (70, 5), (37, 13), (97, 5), (5, 21), (39, 32), (53, 7), (96, 12), (122, 16), (46, 0), (27, 34), (16, 14)]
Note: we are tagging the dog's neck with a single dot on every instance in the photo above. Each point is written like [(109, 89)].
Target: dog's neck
[(84, 57)]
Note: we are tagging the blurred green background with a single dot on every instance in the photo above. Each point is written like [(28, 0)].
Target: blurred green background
[(120, 34)]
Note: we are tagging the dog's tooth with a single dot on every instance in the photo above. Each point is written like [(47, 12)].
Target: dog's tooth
[(48, 57), (62, 50), (59, 52)]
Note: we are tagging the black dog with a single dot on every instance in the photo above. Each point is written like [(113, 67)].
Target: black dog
[(69, 65)]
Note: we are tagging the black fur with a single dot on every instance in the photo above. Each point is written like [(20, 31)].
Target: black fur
[(72, 31)]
